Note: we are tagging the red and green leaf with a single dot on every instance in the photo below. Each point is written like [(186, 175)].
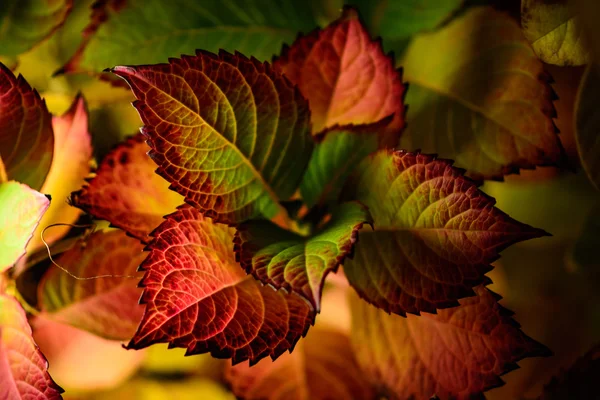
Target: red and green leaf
[(456, 354), (229, 133), (345, 76), (127, 192), (106, 306), (23, 368), (322, 367), (287, 260), (197, 296), (480, 96), (21, 209), (435, 233), (26, 137), (70, 165)]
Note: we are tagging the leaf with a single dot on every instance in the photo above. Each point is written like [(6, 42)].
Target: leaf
[(578, 382), (287, 260), (587, 124), (435, 233), (150, 31), (482, 98), (107, 306), (197, 296), (400, 19), (554, 32), (455, 354), (126, 192), (229, 133), (338, 150), (26, 137), (345, 76), (21, 209), (322, 367), (70, 165), (25, 23), (23, 368)]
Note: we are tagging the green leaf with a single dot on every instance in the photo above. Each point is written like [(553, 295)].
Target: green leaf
[(336, 154), (229, 133), (554, 32), (482, 98), (150, 31), (587, 123), (435, 233), (400, 19), (24, 23), (286, 260)]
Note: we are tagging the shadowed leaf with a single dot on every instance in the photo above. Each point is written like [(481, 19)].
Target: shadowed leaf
[(456, 354), (482, 98), (322, 367), (127, 192), (26, 138), (229, 133), (198, 297), (587, 123), (23, 368), (284, 259), (20, 213), (107, 306), (435, 233)]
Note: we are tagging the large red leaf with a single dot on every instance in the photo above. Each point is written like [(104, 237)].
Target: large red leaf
[(228, 132), (126, 192), (287, 260), (435, 233), (198, 297), (456, 354), (26, 138), (322, 367), (106, 306), (345, 76), (23, 368)]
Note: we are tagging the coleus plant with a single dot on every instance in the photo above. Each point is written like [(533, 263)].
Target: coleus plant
[(279, 174)]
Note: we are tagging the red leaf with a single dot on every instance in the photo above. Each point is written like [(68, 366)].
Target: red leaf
[(23, 368), (107, 306), (322, 367), (456, 354), (435, 233), (345, 76), (229, 133), (26, 138), (126, 191), (198, 297)]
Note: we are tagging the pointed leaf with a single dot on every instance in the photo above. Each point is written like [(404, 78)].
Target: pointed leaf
[(26, 138), (587, 123), (24, 24), (70, 165), (554, 32), (228, 133), (127, 192), (284, 259), (150, 31), (198, 297), (322, 367), (456, 354), (400, 19), (107, 306), (481, 98), (21, 209), (435, 233), (345, 76), (578, 382), (23, 368)]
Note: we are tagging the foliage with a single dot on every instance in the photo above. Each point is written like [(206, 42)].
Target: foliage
[(297, 191)]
